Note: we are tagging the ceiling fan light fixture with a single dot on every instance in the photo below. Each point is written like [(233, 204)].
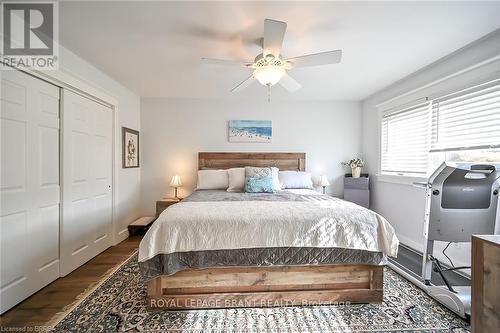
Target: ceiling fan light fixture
[(269, 67), (269, 75)]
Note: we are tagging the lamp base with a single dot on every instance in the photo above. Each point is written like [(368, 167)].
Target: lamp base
[(324, 189)]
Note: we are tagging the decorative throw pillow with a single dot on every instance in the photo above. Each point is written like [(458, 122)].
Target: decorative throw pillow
[(254, 172), (258, 180), (259, 185)]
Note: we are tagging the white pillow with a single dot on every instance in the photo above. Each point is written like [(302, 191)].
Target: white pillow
[(276, 180), (236, 179), (212, 180), (295, 179)]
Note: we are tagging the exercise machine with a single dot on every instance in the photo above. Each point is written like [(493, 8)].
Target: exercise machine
[(460, 201)]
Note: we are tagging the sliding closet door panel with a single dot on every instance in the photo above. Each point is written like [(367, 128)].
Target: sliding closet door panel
[(14, 192), (87, 168), (102, 177), (78, 208), (29, 186), (47, 182)]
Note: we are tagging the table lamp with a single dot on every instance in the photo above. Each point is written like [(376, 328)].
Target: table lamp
[(323, 181), (175, 183)]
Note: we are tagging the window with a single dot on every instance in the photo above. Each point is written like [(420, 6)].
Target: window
[(467, 120), (406, 140), (463, 126)]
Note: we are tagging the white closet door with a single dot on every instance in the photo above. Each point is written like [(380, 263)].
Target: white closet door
[(87, 177), (29, 186)]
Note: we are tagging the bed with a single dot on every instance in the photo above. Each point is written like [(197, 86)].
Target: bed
[(217, 249)]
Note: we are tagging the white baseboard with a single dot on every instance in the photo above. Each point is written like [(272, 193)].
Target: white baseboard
[(121, 236)]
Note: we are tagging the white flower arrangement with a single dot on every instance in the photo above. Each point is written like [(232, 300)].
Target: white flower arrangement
[(355, 163)]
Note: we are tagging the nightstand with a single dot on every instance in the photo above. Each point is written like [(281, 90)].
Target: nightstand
[(164, 203), (357, 190)]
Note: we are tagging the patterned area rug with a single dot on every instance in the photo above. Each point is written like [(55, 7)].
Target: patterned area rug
[(118, 305)]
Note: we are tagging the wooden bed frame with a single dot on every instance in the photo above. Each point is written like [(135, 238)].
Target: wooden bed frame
[(230, 287)]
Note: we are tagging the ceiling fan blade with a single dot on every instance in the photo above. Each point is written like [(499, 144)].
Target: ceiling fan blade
[(317, 59), (274, 33), (248, 81), (289, 83), (223, 62)]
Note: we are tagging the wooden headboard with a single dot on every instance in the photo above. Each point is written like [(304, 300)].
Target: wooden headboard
[(283, 161)]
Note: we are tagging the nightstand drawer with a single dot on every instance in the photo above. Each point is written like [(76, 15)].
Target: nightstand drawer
[(361, 183)]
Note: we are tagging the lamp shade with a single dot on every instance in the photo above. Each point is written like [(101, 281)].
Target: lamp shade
[(323, 181), (176, 181)]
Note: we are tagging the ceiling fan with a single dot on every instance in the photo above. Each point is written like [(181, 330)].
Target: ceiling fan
[(269, 67)]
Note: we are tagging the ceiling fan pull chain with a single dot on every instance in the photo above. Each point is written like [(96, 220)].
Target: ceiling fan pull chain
[(269, 93)]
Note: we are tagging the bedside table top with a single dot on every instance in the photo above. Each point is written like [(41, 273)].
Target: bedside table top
[(169, 200)]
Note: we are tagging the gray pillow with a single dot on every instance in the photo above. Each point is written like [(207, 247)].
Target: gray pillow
[(253, 172)]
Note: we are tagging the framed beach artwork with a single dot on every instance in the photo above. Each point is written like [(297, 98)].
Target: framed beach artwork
[(130, 148), (250, 131)]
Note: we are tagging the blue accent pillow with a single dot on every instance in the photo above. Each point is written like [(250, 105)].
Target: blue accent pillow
[(259, 185)]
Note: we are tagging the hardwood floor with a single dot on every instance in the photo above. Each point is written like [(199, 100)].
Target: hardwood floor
[(42, 306)]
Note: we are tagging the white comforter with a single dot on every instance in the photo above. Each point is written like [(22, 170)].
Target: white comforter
[(315, 222)]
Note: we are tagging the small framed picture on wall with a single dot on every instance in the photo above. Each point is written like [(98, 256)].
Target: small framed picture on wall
[(130, 148)]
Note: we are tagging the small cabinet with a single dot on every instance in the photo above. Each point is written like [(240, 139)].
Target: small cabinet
[(357, 190)]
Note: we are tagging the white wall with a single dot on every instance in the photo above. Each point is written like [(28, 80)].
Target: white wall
[(174, 131), (128, 192), (403, 204)]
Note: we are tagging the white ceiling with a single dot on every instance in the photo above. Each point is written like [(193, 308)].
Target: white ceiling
[(154, 48)]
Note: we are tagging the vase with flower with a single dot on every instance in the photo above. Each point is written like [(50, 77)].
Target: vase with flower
[(355, 164)]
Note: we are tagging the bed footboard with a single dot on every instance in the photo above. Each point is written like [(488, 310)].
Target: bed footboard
[(229, 287)]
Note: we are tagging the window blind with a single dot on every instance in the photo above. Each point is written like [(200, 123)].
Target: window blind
[(405, 140), (469, 119)]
